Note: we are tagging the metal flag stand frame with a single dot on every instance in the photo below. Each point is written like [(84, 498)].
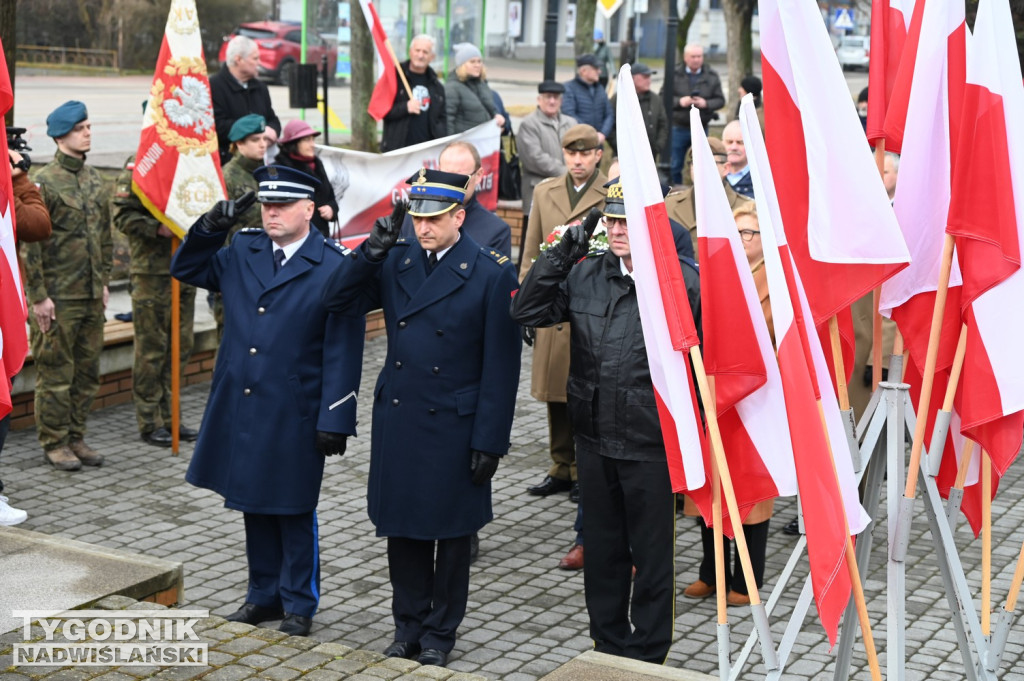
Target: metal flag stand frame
[(883, 431)]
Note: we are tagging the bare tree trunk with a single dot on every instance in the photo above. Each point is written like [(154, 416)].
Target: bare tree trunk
[(738, 14), (683, 30), (364, 128), (584, 41), (8, 11)]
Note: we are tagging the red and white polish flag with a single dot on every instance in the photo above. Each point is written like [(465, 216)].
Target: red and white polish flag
[(824, 467), (665, 313), (177, 167), (13, 338), (889, 26), (842, 230), (384, 91), (986, 215), (738, 351)]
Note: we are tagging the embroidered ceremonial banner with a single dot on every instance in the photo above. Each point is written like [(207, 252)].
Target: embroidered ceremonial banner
[(366, 185), (177, 168)]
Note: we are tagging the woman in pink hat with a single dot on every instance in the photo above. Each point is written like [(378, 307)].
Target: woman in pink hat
[(298, 151)]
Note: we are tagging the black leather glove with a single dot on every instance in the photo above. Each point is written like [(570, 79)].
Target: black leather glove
[(329, 444), (574, 242), (483, 466), (225, 214), (385, 233), (529, 335)]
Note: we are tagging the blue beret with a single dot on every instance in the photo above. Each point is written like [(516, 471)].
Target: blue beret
[(65, 117), (247, 125), (281, 184)]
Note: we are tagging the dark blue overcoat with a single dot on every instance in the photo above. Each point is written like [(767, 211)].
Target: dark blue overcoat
[(448, 385), (286, 368)]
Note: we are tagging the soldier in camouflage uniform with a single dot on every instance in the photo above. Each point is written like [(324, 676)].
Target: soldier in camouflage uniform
[(66, 280), (248, 147), (150, 243)]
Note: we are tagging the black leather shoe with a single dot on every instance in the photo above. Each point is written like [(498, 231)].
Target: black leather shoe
[(433, 656), (549, 486), (792, 528), (574, 492), (161, 437), (474, 547), (296, 625), (406, 649), (250, 613), (187, 434)]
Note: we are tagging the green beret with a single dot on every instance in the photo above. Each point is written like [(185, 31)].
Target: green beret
[(249, 124)]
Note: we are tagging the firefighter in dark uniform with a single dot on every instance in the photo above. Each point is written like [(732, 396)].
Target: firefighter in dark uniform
[(443, 404), (284, 387)]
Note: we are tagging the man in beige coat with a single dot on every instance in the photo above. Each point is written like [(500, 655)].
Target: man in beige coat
[(559, 201)]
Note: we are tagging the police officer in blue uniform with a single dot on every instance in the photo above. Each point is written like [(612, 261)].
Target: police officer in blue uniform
[(284, 388), (442, 406)]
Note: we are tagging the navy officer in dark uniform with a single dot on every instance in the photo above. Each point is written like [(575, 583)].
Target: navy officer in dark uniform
[(284, 388), (442, 406)]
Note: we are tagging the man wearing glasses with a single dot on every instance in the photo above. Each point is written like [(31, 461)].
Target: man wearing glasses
[(627, 496)]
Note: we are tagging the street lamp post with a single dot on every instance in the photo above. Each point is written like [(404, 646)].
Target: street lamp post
[(550, 40)]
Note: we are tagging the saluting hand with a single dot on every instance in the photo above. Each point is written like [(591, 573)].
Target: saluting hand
[(225, 214), (385, 233)]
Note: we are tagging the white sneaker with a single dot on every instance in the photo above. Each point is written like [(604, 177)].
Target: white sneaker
[(10, 515)]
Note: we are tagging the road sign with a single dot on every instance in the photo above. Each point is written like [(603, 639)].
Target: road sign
[(609, 7), (842, 19)]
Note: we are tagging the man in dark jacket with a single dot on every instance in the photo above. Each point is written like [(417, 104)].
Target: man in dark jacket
[(443, 405), (284, 387), (421, 118), (625, 489), (651, 108), (694, 84), (236, 91), (585, 99), (481, 225)]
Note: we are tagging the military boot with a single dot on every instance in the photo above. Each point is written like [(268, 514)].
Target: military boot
[(86, 454), (62, 458)]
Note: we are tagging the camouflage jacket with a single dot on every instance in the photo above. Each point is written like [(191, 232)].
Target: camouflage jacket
[(238, 179), (150, 252), (75, 262)]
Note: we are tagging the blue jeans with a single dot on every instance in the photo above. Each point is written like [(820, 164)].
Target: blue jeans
[(680, 145)]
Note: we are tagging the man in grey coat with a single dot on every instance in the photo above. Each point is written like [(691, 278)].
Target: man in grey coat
[(540, 139)]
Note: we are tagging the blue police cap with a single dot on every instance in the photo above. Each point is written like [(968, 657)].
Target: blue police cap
[(435, 192), (280, 184), (65, 117), (250, 124)]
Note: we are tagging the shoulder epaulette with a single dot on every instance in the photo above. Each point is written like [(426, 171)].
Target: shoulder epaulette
[(335, 246), (548, 179), (251, 230), (494, 255), (402, 240)]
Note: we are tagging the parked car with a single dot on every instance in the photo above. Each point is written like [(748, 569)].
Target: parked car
[(280, 44), (854, 51)]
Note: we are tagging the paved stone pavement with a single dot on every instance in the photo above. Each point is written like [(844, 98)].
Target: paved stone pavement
[(525, 617)]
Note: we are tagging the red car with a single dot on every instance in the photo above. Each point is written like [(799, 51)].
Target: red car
[(280, 45)]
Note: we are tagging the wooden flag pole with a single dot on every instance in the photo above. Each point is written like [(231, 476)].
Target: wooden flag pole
[(965, 464), (1018, 579), (901, 537), (986, 543), (760, 618), (853, 569), (398, 66), (175, 331), (717, 520), (837, 361)]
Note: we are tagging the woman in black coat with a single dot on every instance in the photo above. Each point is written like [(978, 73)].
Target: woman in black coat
[(298, 151)]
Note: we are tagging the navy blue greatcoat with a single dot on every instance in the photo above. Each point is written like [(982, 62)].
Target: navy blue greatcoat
[(448, 385), (286, 368)]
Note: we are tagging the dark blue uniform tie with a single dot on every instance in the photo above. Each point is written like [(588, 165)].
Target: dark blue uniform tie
[(278, 259)]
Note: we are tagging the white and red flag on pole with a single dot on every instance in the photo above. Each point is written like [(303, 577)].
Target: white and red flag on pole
[(986, 215), (890, 21), (824, 467), (384, 91), (13, 338), (665, 312), (177, 168), (738, 351), (842, 230)]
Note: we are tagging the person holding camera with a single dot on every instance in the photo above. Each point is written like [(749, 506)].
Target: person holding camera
[(694, 84)]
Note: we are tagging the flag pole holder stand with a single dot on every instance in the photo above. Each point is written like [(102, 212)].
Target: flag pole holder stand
[(883, 431)]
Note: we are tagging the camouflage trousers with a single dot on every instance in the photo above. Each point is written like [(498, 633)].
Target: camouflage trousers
[(151, 373), (67, 361)]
